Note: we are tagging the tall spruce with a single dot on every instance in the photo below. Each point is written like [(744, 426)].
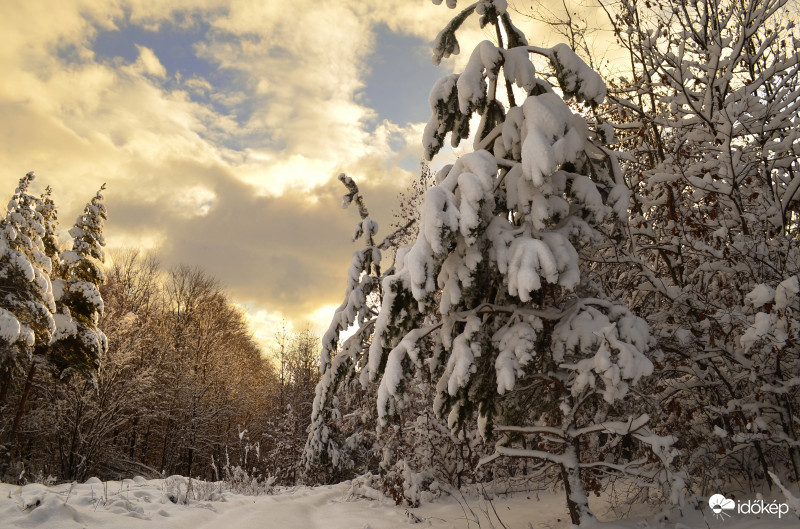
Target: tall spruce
[(26, 295), (26, 321), (52, 246), (79, 343)]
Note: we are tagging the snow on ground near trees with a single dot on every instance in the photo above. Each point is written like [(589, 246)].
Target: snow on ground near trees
[(141, 503)]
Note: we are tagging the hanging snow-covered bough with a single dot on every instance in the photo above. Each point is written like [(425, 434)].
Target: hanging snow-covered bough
[(490, 298)]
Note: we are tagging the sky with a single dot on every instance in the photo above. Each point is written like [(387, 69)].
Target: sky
[(219, 128)]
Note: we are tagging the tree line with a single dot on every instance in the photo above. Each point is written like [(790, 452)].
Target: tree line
[(173, 384)]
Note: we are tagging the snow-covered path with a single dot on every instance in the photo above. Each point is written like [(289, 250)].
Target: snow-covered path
[(145, 504), (139, 504), (318, 508), (301, 507)]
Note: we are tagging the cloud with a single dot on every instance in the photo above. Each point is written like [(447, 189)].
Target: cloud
[(232, 169), (304, 65), (287, 253), (148, 63)]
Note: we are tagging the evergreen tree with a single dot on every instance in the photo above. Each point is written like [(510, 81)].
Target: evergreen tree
[(334, 444), (490, 298), (79, 343), (26, 321), (52, 247), (26, 295)]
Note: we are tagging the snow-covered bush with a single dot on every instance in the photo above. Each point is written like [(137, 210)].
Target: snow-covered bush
[(709, 118), (240, 481), (245, 475), (182, 490), (420, 457)]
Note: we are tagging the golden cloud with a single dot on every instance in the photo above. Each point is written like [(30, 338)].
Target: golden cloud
[(248, 194)]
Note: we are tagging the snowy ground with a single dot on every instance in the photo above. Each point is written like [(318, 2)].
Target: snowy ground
[(141, 503)]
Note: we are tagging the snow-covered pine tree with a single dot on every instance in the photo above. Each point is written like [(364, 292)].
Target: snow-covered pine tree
[(709, 115), (78, 342), (490, 298), (52, 247), (27, 303), (26, 295), (334, 443)]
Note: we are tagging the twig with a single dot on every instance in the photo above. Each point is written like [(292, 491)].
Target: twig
[(71, 486)]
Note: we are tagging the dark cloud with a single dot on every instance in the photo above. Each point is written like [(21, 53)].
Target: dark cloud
[(228, 166), (286, 254)]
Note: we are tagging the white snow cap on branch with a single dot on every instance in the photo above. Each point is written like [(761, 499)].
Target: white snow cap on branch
[(515, 345), (483, 63), (10, 328), (786, 292), (500, 5), (576, 77), (519, 69), (461, 364), (616, 348), (553, 135)]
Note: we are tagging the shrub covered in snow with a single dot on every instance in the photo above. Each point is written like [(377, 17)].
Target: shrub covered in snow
[(709, 118)]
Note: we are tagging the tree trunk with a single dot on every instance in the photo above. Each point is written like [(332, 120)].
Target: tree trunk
[(23, 401), (132, 439), (189, 461), (577, 502), (165, 446), (74, 444), (5, 380)]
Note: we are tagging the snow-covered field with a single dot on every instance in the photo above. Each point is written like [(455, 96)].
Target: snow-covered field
[(141, 503)]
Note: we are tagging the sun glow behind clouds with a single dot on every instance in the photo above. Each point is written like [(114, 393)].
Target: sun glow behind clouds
[(195, 201), (219, 127)]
